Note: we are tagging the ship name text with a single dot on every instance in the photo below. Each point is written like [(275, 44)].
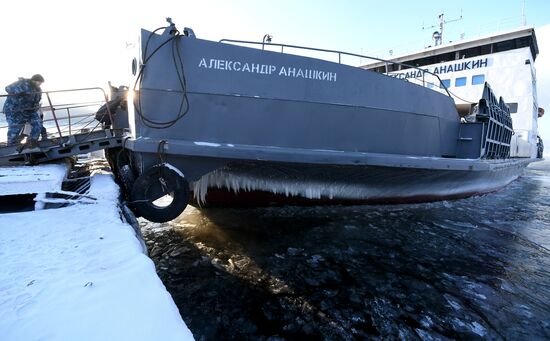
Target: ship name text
[(438, 70), (267, 69)]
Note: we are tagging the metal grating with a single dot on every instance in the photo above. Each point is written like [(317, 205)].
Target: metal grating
[(497, 125)]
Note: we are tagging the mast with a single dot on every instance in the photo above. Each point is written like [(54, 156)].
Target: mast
[(438, 35), (524, 20)]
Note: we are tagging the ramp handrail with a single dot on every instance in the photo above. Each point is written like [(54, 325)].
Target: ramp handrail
[(340, 53), (65, 125)]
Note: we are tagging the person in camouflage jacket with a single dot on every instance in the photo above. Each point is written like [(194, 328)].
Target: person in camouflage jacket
[(22, 106)]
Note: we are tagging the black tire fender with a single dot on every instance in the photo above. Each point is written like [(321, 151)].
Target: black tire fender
[(155, 183), (111, 156), (127, 178), (119, 161)]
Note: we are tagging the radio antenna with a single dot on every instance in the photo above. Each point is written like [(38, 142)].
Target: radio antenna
[(523, 20), (438, 35)]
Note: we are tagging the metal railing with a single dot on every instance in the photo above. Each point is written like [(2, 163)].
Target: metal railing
[(340, 54), (62, 116)]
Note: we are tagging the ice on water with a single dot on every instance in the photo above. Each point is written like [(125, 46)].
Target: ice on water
[(311, 189)]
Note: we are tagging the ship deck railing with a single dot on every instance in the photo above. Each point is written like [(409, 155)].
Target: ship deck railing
[(339, 54), (70, 124)]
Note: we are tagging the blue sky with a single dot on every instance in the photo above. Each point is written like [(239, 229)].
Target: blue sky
[(77, 43), (372, 26)]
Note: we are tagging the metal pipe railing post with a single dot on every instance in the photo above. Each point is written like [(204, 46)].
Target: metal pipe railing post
[(53, 114), (69, 117)]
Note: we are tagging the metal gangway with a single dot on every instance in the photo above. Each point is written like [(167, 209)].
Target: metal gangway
[(72, 126)]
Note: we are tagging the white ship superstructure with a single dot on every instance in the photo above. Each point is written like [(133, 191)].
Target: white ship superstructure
[(504, 60)]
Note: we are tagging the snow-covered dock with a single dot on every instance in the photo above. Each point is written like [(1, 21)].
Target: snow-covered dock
[(32, 179), (78, 272)]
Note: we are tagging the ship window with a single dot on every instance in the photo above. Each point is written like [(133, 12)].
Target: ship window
[(513, 107), (460, 81), (504, 46), (478, 79), (445, 83)]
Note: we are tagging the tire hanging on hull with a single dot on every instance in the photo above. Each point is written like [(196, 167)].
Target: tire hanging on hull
[(119, 161), (160, 194)]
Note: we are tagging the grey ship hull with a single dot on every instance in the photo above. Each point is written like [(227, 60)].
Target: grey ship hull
[(246, 176), (281, 184), (255, 121)]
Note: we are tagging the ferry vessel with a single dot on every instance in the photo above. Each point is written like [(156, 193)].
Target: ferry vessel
[(233, 122)]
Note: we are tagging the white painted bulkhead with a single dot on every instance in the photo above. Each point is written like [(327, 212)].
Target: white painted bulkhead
[(511, 75)]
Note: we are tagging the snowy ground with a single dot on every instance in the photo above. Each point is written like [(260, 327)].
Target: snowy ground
[(79, 272), (32, 179)]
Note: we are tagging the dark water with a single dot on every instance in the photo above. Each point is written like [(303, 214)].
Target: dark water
[(477, 268)]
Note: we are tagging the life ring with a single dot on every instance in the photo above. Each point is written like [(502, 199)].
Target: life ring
[(160, 194)]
